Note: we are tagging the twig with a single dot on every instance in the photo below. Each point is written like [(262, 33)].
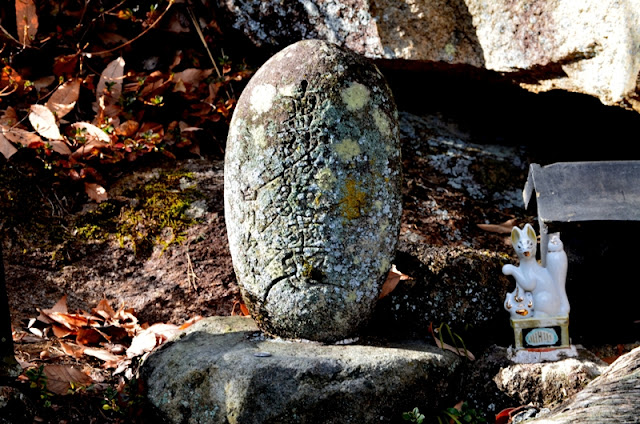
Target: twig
[(196, 25), (103, 52), (6, 34), (191, 275)]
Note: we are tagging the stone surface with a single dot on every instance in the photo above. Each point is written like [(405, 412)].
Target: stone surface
[(459, 286), (493, 382), (222, 370), (312, 191), (549, 383), (610, 398), (588, 47)]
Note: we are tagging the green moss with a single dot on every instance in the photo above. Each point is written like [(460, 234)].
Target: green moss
[(155, 215)]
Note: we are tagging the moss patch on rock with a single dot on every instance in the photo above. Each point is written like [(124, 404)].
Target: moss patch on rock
[(158, 212)]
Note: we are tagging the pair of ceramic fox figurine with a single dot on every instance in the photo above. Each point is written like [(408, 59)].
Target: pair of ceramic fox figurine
[(540, 290)]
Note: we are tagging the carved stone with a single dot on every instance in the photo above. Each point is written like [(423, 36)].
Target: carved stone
[(312, 191)]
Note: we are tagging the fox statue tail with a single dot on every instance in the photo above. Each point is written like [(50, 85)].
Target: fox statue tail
[(557, 264)]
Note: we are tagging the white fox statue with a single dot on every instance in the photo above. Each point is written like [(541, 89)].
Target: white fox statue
[(545, 284)]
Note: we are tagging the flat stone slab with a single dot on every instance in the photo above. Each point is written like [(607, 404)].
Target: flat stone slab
[(223, 370)]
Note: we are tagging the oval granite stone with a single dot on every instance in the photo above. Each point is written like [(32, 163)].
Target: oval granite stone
[(312, 191)]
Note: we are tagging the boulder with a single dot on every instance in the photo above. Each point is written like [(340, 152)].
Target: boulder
[(610, 398), (223, 370), (312, 191), (493, 382), (587, 47), (547, 384)]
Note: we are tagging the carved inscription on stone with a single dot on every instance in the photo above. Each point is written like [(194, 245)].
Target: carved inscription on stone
[(312, 191)]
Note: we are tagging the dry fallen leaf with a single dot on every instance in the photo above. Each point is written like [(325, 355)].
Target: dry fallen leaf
[(87, 336), (44, 122), (102, 354), (44, 82), (63, 100), (127, 128), (504, 228), (96, 192), (60, 378), (148, 339), (71, 349), (60, 306), (190, 78), (94, 137), (104, 310), (19, 136), (61, 331), (393, 278), (26, 21), (109, 86), (6, 148), (60, 146), (9, 117)]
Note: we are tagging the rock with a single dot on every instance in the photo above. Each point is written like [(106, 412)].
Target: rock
[(221, 370), (312, 191), (459, 286), (610, 398), (588, 47), (548, 384), (493, 382)]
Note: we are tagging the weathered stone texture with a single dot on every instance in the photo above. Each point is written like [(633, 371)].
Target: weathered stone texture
[(312, 191), (590, 47), (223, 371)]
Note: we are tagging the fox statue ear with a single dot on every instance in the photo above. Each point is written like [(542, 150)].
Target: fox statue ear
[(531, 233), (515, 235)]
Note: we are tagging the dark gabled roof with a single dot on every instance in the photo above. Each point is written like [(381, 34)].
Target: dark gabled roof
[(585, 191)]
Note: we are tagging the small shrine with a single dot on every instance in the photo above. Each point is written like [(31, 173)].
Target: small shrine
[(538, 306)]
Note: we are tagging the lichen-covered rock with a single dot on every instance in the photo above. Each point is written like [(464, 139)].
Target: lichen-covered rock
[(312, 191), (222, 371), (456, 285)]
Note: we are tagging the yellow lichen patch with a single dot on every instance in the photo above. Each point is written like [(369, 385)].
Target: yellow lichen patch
[(354, 202), (355, 96), (325, 179), (450, 49), (347, 149), (381, 122), (258, 136), (262, 98), (307, 269)]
